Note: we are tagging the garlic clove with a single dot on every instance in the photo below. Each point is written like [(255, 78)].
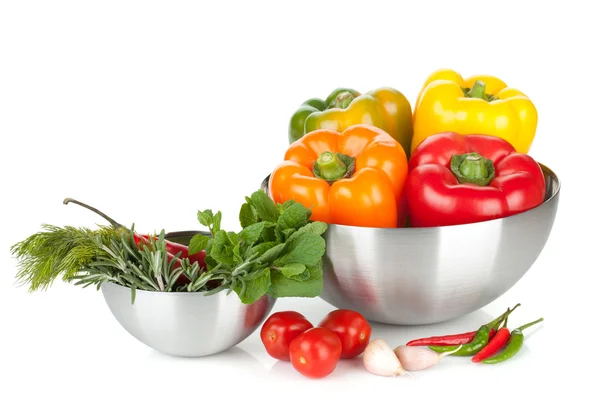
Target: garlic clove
[(416, 358), (379, 359)]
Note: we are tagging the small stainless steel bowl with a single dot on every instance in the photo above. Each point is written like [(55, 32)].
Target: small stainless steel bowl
[(186, 324), (412, 276)]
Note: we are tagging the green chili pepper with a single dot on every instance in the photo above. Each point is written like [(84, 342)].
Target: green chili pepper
[(514, 344), (479, 341)]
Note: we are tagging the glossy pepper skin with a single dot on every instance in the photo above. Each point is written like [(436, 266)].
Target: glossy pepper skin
[(177, 251), (461, 338), (459, 179), (515, 343), (351, 178), (480, 104), (385, 108), (470, 349)]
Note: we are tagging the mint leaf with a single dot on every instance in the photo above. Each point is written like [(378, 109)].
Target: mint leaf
[(270, 255), (304, 276), (293, 216), (268, 234), (260, 248), (285, 287), (233, 237), (210, 262), (254, 288), (252, 233), (284, 235), (205, 217), (265, 207), (306, 248), (248, 215), (222, 249), (292, 269), (316, 227), (216, 223), (197, 244)]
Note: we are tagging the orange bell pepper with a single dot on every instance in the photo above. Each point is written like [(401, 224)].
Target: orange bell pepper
[(351, 178)]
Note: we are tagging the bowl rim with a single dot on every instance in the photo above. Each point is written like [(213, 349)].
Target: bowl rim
[(545, 169), (115, 286)]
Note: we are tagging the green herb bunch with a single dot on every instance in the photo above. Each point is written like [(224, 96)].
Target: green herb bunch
[(278, 252), (146, 266), (57, 252), (90, 257)]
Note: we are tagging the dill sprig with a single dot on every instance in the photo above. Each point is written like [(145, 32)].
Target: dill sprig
[(57, 252), (91, 257)]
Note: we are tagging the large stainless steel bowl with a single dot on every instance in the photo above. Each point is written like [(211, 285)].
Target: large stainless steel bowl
[(186, 324), (410, 276)]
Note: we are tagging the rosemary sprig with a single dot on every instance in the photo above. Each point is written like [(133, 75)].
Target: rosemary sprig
[(146, 267)]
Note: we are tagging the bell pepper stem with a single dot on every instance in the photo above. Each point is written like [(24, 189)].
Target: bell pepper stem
[(330, 166), (477, 91), (472, 168), (343, 100)]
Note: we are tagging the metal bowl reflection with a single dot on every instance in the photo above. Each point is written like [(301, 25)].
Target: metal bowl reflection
[(411, 276), (186, 324)]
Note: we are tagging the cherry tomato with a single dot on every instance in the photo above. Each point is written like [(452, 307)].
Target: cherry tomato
[(279, 330), (316, 352), (352, 328)]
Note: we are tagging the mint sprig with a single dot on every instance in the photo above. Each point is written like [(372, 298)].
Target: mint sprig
[(278, 252)]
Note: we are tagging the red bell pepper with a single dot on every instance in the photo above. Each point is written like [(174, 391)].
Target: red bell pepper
[(459, 179)]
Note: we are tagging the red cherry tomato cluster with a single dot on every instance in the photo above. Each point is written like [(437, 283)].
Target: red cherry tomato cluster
[(315, 351)]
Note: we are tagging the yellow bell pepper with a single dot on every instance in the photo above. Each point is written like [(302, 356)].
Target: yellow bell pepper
[(479, 104)]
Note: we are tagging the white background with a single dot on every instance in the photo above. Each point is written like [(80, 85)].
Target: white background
[(152, 110)]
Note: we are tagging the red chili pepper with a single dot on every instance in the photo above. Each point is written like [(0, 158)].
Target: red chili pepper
[(447, 340), (494, 345), (499, 340), (461, 338), (459, 179), (175, 248)]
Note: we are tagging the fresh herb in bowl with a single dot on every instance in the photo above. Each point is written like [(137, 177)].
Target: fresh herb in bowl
[(278, 252)]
